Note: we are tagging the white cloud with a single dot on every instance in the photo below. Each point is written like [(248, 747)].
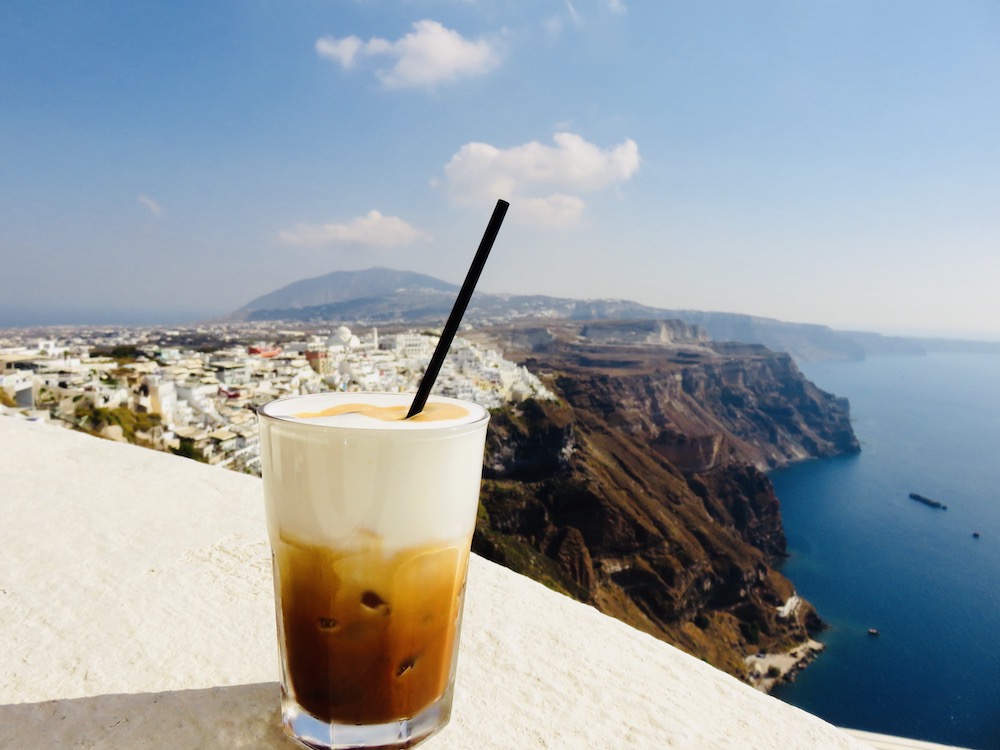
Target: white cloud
[(481, 173), (154, 208), (429, 55), (616, 6), (343, 50), (371, 230), (556, 210)]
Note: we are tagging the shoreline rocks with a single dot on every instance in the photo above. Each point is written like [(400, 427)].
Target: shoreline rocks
[(766, 670)]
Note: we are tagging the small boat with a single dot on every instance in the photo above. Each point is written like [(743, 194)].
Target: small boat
[(975, 534), (927, 501), (873, 631)]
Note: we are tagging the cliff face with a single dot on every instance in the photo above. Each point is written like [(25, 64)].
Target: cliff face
[(641, 491), (742, 404)]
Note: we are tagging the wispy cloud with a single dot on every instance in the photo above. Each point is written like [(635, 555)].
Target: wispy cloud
[(574, 16), (154, 208), (371, 230), (426, 57), (480, 173), (554, 25), (345, 51)]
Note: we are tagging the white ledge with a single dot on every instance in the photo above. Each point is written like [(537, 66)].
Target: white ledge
[(136, 611)]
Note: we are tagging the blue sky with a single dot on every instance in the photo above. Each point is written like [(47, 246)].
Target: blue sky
[(824, 162)]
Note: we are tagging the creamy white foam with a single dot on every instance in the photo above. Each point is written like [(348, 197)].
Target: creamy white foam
[(306, 409), (350, 481)]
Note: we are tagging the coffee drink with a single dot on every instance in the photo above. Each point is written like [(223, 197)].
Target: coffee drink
[(370, 518)]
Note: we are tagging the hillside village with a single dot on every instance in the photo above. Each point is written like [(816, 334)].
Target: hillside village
[(153, 387)]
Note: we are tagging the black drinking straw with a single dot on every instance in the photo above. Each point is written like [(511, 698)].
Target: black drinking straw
[(464, 295)]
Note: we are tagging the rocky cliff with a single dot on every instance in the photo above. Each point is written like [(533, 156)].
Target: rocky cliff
[(641, 490)]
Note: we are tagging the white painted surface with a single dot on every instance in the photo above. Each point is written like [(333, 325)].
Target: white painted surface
[(136, 611)]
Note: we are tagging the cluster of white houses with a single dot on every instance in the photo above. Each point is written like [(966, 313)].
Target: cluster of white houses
[(203, 404)]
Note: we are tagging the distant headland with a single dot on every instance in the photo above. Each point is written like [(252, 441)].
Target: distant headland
[(380, 295)]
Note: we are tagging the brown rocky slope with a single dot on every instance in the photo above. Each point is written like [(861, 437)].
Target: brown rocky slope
[(641, 489)]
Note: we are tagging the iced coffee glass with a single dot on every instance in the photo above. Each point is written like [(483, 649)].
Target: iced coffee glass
[(370, 518)]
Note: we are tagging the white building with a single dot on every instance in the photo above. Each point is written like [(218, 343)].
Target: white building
[(412, 345)]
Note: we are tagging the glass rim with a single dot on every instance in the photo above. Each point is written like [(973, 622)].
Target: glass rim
[(426, 429)]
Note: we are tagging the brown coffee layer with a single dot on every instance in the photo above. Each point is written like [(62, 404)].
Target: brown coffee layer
[(368, 636)]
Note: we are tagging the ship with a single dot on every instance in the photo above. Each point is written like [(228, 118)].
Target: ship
[(927, 501)]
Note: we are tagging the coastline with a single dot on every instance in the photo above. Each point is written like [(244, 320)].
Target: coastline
[(931, 577), (766, 670)]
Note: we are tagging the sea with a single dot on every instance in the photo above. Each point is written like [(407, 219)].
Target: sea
[(869, 557)]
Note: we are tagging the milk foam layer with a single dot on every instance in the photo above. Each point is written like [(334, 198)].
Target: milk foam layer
[(301, 409), (339, 482)]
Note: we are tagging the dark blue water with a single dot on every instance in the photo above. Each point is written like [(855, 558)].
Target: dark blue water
[(867, 556)]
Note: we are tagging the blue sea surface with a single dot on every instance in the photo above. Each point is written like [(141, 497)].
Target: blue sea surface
[(868, 556)]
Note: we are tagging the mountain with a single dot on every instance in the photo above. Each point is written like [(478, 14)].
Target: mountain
[(381, 296), (346, 286)]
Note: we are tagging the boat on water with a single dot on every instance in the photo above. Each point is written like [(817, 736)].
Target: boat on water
[(927, 501), (873, 631)]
